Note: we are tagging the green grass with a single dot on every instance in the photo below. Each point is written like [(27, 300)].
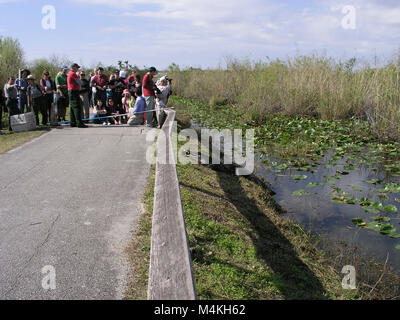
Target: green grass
[(12, 140), (138, 250)]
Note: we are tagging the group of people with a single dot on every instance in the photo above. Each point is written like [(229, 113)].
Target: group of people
[(99, 98)]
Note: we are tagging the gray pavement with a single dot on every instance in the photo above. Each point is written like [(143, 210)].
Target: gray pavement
[(70, 199)]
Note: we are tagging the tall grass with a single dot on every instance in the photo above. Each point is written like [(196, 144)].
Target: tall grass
[(303, 85)]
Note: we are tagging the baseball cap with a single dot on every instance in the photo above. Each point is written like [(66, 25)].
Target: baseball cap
[(75, 65), (64, 67), (152, 69)]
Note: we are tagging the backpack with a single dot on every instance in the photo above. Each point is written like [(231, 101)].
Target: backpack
[(36, 91)]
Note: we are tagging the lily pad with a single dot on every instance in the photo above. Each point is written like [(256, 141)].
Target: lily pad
[(381, 218), (390, 208), (383, 196), (374, 225), (373, 181), (298, 177), (349, 167), (364, 202), (371, 210), (387, 229), (314, 184), (300, 193), (391, 188), (359, 222)]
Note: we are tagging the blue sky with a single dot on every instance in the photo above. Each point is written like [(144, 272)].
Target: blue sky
[(201, 33)]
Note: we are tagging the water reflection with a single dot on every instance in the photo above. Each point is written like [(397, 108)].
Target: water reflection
[(319, 214)]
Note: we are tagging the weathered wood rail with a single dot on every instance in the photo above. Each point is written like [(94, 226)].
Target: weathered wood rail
[(170, 274)]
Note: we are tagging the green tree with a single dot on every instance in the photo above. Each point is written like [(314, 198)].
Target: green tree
[(11, 58), (51, 64)]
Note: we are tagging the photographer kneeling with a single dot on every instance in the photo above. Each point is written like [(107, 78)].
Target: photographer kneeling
[(163, 93)]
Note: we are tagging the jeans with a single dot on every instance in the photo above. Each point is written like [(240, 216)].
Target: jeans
[(85, 105), (150, 105), (23, 103)]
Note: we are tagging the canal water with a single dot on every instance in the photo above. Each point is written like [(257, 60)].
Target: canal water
[(319, 214)]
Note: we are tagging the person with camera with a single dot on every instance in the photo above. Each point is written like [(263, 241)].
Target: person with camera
[(163, 92), (118, 86)]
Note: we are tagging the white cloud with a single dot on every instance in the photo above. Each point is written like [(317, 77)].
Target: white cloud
[(259, 27)]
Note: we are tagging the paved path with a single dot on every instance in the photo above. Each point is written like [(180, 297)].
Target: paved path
[(70, 199)]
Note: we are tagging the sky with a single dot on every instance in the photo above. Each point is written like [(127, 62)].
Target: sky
[(202, 33)]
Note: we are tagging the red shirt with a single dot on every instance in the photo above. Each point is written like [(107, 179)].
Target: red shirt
[(101, 81), (71, 81), (148, 89)]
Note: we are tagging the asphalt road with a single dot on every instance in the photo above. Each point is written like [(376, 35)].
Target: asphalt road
[(70, 200)]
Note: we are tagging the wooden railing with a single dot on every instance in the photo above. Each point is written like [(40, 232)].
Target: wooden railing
[(170, 274)]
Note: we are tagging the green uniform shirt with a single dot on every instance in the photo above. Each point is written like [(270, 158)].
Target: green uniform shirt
[(61, 79)]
